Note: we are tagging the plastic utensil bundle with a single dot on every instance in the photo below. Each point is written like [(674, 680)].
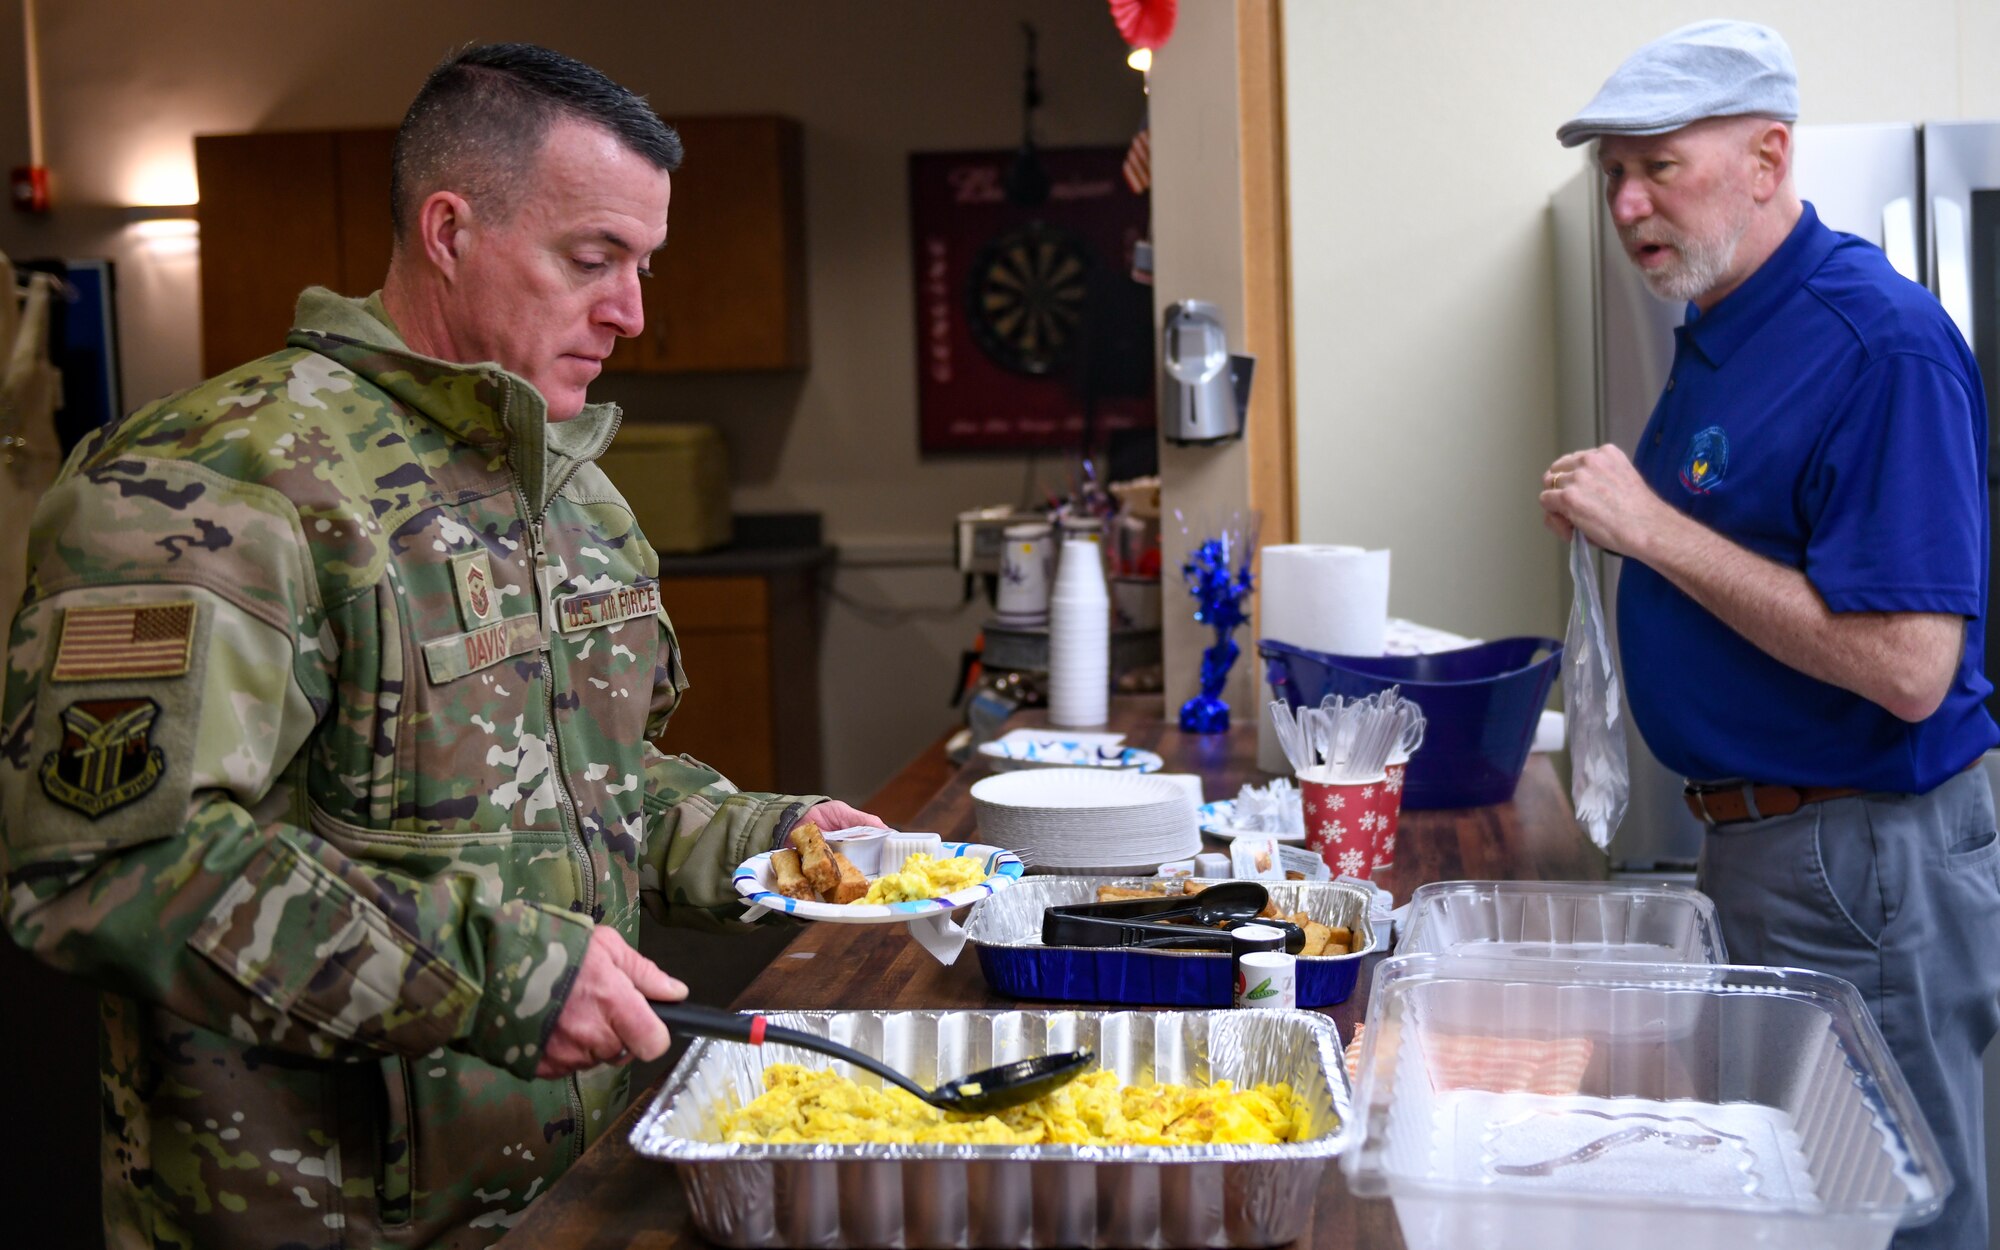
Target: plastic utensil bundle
[(1349, 739)]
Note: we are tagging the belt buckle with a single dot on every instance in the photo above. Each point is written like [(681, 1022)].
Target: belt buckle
[(1701, 801)]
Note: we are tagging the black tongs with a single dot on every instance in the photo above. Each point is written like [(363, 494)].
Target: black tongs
[(1142, 921)]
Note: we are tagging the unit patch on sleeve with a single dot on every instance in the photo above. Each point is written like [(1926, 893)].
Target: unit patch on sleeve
[(575, 613), (126, 642), (107, 757)]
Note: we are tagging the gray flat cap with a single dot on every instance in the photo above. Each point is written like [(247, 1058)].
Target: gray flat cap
[(1709, 69)]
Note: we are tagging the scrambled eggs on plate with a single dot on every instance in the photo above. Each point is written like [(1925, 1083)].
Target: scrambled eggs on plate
[(801, 1105), (924, 877)]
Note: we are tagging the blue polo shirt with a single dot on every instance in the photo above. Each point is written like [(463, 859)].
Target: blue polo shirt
[(1828, 415)]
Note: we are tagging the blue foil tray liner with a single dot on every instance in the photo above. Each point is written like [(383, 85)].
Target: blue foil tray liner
[(1006, 930)]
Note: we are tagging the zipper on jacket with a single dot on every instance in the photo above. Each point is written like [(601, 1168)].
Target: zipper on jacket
[(565, 800), (565, 805)]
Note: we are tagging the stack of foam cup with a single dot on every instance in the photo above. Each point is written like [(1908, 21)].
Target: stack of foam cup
[(1079, 639)]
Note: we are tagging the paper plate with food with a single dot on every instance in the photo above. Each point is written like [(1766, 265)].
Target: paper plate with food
[(872, 876)]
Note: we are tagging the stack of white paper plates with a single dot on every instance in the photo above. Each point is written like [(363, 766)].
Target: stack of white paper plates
[(1085, 819)]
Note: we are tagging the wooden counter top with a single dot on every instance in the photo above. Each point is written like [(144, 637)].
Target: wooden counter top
[(613, 1198)]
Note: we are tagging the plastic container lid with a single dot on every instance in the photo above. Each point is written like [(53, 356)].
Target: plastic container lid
[(1617, 921)]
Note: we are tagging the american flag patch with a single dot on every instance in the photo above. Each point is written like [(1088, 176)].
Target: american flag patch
[(124, 643), (1138, 167)]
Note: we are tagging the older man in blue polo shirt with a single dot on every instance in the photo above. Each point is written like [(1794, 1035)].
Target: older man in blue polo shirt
[(1803, 605)]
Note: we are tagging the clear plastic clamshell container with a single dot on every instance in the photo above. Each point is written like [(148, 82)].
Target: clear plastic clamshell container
[(1621, 922), (1023, 1196), (1513, 1104)]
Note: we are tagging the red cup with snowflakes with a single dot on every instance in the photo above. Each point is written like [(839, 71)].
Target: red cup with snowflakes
[(1346, 822), (1387, 819)]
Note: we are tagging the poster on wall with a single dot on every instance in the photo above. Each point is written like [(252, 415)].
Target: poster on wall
[(1031, 332)]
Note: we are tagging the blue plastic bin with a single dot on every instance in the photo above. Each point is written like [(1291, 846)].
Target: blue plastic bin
[(1481, 705)]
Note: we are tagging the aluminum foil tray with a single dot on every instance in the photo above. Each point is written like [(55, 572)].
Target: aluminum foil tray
[(1006, 930), (1028, 1196), (1550, 1104)]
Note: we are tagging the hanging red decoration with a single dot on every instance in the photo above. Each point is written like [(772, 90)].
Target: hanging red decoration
[(1145, 23)]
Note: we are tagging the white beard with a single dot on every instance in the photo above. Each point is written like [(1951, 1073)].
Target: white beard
[(1699, 264)]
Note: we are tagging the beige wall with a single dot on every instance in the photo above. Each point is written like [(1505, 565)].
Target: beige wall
[(1422, 155), (1198, 254), (128, 82)]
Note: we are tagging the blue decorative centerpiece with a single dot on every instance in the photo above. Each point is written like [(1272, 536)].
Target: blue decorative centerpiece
[(1217, 572)]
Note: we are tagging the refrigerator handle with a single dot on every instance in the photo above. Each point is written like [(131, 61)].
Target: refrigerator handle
[(1899, 236), (1954, 262)]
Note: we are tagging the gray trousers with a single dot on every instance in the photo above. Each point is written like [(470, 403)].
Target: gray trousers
[(1899, 894)]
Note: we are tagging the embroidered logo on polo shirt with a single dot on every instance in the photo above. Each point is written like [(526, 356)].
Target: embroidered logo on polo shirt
[(1706, 462)]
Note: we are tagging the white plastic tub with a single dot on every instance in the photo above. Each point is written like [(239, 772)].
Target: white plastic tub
[(1619, 922), (1515, 1104)]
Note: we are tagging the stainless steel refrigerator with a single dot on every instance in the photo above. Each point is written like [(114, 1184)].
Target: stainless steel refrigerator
[(1928, 195)]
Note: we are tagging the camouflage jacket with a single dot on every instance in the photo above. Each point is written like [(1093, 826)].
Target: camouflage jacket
[(326, 744)]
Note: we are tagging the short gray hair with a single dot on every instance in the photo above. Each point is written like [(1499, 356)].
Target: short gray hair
[(481, 116)]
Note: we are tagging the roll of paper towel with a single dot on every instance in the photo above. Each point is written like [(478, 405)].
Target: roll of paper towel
[(1323, 598)]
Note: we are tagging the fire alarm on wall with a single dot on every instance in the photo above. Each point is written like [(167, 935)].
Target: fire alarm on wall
[(29, 188)]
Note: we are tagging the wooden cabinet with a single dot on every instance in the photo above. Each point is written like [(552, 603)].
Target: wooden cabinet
[(283, 211), (729, 290), (750, 645), (280, 213)]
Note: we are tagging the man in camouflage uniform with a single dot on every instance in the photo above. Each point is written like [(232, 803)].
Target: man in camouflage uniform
[(328, 716)]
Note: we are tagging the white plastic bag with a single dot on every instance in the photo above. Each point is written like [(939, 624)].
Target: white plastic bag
[(1600, 780)]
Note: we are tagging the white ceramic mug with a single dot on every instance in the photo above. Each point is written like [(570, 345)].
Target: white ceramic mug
[(1135, 602), (1023, 596)]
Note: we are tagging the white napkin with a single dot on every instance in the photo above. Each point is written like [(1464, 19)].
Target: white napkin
[(940, 935), (1550, 731)]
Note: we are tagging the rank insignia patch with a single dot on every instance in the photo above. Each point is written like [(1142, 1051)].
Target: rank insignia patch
[(478, 597), (124, 643), (107, 757)]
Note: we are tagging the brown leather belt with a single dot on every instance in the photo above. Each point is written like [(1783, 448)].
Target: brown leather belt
[(1734, 804)]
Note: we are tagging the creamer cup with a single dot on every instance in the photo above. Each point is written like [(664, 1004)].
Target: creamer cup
[(1267, 979)]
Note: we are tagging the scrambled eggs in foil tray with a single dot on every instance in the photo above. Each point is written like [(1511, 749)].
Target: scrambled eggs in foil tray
[(800, 1105), (1239, 1166)]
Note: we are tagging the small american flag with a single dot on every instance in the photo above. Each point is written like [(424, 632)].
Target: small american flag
[(1139, 161), (125, 642)]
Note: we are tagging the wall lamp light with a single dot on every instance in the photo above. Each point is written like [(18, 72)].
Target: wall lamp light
[(160, 212)]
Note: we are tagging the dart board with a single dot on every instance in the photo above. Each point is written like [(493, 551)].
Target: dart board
[(1026, 295), (1030, 328)]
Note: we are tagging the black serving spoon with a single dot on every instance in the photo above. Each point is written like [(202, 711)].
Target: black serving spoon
[(1144, 921), (993, 1089)]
